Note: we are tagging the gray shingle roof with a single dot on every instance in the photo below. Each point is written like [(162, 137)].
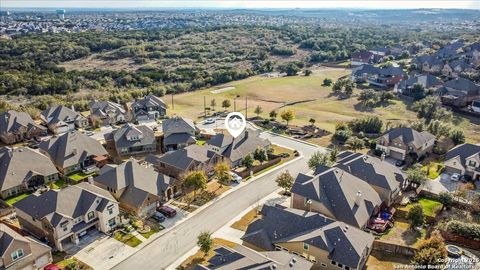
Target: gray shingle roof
[(373, 171), (337, 190), (12, 121), (145, 134), (238, 148), (71, 148), (138, 181), (55, 114), (103, 108), (7, 237), (70, 202), (178, 125), (463, 85), (426, 80), (149, 101), (179, 138), (344, 244), (21, 164), (182, 158), (408, 135), (463, 151)]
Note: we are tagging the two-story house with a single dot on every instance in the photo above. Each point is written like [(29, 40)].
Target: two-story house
[(401, 142), (454, 68), (133, 140), (464, 159), (361, 58), (385, 178), (73, 151), (107, 113), (19, 126), (21, 252), (60, 119), (63, 217), (408, 87), (336, 194), (428, 63), (139, 189), (459, 92), (386, 77), (182, 161), (329, 244), (24, 169), (178, 133), (148, 108), (233, 150)]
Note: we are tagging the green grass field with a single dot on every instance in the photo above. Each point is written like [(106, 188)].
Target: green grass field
[(305, 96), (430, 207)]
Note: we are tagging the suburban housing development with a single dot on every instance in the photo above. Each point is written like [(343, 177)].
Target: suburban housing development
[(359, 145)]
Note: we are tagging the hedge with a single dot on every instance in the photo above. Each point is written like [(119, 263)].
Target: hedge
[(468, 230)]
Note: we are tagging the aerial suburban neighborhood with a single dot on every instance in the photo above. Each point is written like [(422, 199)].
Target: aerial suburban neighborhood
[(223, 137)]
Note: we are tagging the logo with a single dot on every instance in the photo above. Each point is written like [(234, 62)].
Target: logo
[(235, 123)]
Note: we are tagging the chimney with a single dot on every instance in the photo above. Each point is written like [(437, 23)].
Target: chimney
[(358, 198), (73, 107), (90, 180), (382, 157), (74, 151)]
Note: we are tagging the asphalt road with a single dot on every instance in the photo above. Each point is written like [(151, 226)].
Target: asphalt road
[(165, 250)]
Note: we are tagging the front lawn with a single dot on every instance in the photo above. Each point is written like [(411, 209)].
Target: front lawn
[(59, 184), (64, 261), (433, 169), (430, 207), (243, 222), (127, 239), (79, 176), (200, 258), (10, 201)]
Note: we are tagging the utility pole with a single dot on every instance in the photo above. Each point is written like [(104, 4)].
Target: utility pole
[(246, 107), (173, 105), (234, 104), (204, 107)]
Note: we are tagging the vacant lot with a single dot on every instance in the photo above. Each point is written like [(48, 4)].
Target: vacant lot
[(306, 97)]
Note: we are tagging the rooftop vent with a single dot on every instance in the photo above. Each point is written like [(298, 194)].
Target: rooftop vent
[(358, 198)]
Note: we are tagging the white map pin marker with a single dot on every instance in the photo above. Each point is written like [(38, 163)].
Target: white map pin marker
[(235, 123)]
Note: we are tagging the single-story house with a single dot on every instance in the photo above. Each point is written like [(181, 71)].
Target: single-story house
[(402, 141), (407, 87), (360, 58)]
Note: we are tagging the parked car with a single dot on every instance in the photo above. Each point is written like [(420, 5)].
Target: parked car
[(466, 178), (400, 163), (209, 121), (167, 211), (159, 217), (51, 267), (455, 177), (235, 177)]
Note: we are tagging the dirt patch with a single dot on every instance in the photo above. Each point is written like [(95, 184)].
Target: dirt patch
[(243, 223)]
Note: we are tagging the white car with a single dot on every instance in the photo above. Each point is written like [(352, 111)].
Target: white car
[(455, 177), (235, 177), (209, 121)]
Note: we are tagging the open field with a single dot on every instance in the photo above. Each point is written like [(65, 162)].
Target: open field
[(307, 97)]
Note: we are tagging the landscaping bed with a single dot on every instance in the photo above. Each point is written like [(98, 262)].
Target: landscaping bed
[(243, 222), (200, 258), (127, 238), (65, 261)]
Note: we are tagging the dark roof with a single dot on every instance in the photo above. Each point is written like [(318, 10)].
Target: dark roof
[(71, 148), (372, 170), (55, 114), (178, 125), (104, 108), (8, 236), (19, 165), (463, 85), (137, 180), (408, 135), (12, 121), (364, 56), (149, 101), (429, 59), (182, 158), (426, 80), (179, 138), (70, 202), (347, 197), (463, 151), (121, 136), (344, 244), (237, 148)]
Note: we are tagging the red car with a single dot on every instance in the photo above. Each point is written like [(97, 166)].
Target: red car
[(167, 211), (51, 267)]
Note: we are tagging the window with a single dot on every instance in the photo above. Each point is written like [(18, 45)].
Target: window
[(112, 222), (347, 268), (17, 254), (340, 265), (324, 265), (90, 215), (305, 246), (333, 262), (472, 163), (110, 209)]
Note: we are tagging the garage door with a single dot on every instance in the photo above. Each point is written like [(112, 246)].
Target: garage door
[(396, 155), (42, 261), (451, 170)]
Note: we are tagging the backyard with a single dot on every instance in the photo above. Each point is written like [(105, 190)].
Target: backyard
[(401, 233), (307, 97), (10, 201), (80, 176), (430, 207)]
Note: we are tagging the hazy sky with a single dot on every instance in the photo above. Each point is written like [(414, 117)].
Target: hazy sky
[(376, 4)]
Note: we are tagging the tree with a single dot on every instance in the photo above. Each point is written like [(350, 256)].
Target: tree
[(197, 180), (418, 91), (273, 114), (285, 181), (446, 198), (355, 143), (307, 72), (222, 172), (213, 103), (318, 158), (312, 122), (430, 108), (291, 68), (439, 129), (205, 242), (368, 98), (247, 161), (332, 156), (416, 175), (258, 110), (327, 82), (260, 155), (415, 216), (287, 116), (431, 252), (226, 104), (348, 88), (457, 136)]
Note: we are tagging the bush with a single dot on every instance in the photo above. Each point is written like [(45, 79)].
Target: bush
[(467, 230)]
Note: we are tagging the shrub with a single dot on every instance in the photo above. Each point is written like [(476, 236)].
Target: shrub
[(467, 230)]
